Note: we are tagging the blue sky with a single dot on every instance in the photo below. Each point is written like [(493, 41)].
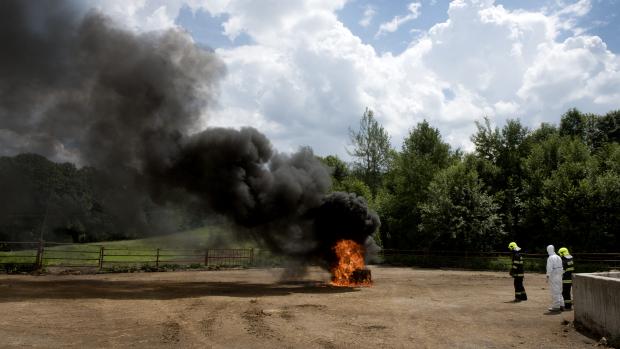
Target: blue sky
[(304, 71), (385, 11), (602, 20), (207, 29)]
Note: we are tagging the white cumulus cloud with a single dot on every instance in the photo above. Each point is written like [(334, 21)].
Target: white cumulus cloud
[(306, 78), (369, 13), (397, 21)]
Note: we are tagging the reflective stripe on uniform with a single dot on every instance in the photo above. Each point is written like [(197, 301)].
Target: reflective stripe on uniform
[(517, 275), (567, 281), (570, 269), (517, 262), (514, 267), (568, 301)]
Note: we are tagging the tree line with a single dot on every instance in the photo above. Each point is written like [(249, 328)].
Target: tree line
[(52, 201), (553, 184)]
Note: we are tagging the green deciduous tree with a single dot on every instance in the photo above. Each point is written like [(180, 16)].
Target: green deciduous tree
[(499, 155), (371, 148), (423, 155), (459, 214), (339, 168), (353, 185)]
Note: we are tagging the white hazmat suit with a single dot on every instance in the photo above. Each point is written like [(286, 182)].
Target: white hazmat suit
[(554, 276)]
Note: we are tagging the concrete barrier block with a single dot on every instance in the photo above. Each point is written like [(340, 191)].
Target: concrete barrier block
[(597, 303)]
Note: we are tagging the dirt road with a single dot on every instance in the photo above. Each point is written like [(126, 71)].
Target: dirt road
[(406, 308)]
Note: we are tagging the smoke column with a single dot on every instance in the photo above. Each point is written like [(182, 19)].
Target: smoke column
[(74, 87)]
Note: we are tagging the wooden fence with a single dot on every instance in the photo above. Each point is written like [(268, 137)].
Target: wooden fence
[(586, 262), (37, 255)]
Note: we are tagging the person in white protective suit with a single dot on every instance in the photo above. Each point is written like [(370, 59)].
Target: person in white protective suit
[(554, 279)]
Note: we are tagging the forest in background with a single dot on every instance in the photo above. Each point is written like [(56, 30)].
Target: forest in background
[(555, 184), (63, 203)]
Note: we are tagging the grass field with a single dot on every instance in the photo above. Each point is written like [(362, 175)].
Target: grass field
[(188, 247)]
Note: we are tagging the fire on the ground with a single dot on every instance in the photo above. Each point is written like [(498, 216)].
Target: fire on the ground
[(350, 269)]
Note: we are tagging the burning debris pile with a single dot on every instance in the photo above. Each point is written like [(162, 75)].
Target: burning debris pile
[(65, 94), (343, 226), (349, 270)]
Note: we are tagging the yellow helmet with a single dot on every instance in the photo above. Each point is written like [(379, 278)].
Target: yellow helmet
[(563, 251), (512, 246)]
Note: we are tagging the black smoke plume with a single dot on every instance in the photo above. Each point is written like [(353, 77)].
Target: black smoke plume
[(75, 87)]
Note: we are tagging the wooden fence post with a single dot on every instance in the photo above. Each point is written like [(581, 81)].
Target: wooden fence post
[(101, 254), (157, 259), (207, 258), (36, 260), (39, 259)]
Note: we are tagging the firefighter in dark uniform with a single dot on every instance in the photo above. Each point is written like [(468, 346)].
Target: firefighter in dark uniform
[(516, 271), (567, 277)]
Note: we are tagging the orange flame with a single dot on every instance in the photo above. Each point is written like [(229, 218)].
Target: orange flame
[(350, 258)]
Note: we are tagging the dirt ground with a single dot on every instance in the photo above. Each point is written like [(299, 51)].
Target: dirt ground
[(256, 308)]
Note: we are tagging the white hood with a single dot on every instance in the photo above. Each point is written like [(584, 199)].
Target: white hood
[(551, 250)]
